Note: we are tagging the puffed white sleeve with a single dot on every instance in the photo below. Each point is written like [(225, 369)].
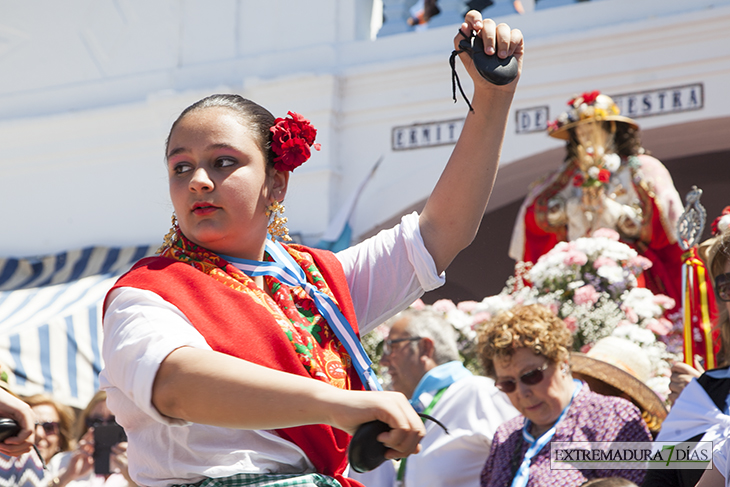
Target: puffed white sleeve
[(388, 272), (140, 330)]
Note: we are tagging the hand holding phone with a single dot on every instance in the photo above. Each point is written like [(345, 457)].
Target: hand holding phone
[(15, 413), (105, 437), (8, 427)]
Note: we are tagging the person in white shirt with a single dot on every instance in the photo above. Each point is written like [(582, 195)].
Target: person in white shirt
[(423, 362)]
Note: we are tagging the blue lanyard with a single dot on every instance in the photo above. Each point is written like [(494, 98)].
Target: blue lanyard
[(523, 474), (285, 269)]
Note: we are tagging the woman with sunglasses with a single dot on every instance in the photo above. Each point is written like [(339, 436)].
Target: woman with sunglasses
[(526, 350), (76, 468), (54, 423)]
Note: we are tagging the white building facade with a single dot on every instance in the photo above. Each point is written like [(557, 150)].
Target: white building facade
[(90, 89)]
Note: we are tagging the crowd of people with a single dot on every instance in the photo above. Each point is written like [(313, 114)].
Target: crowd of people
[(233, 359), (55, 444)]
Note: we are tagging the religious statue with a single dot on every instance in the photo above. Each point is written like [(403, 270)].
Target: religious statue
[(606, 181)]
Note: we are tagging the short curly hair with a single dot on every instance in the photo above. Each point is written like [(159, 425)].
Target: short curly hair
[(531, 326)]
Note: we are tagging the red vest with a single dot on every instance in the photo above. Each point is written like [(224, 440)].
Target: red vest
[(233, 323)]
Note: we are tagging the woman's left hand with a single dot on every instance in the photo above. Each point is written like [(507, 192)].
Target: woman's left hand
[(497, 38), (451, 217)]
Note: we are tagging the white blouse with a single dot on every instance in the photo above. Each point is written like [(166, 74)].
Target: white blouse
[(385, 273)]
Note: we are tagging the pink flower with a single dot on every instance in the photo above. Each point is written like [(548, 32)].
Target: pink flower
[(467, 306), (641, 262), (586, 295), (444, 305), (575, 257), (606, 233), (571, 323), (418, 304), (604, 261), (630, 313), (664, 301), (661, 326), (561, 247), (382, 331), (554, 307), (586, 348), (623, 323), (479, 318)]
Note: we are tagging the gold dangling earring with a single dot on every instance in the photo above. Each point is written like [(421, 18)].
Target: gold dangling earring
[(169, 239), (277, 223)]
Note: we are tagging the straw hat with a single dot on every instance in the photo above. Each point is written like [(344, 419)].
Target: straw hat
[(588, 107), (622, 365)]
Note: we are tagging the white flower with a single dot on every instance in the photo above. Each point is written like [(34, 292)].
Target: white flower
[(495, 304), (641, 300), (461, 321), (593, 172), (636, 334), (612, 274), (612, 162), (724, 223), (660, 385)]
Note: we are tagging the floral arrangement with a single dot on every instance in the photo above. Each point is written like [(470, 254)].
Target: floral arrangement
[(291, 138), (589, 105), (600, 172), (591, 283)]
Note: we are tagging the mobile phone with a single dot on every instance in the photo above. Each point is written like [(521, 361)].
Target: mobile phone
[(8, 428), (105, 437)]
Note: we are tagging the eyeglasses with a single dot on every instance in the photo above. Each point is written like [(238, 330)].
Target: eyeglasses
[(49, 427), (388, 344), (94, 421), (722, 287), (535, 376)]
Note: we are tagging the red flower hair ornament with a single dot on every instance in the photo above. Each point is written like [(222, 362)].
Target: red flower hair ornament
[(291, 138)]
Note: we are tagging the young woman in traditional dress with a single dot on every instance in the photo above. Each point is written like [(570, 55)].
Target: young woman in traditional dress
[(231, 359)]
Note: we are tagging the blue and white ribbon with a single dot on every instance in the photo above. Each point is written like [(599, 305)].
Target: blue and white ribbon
[(537, 444), (285, 269)]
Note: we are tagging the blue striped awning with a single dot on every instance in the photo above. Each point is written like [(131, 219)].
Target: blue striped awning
[(50, 319)]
